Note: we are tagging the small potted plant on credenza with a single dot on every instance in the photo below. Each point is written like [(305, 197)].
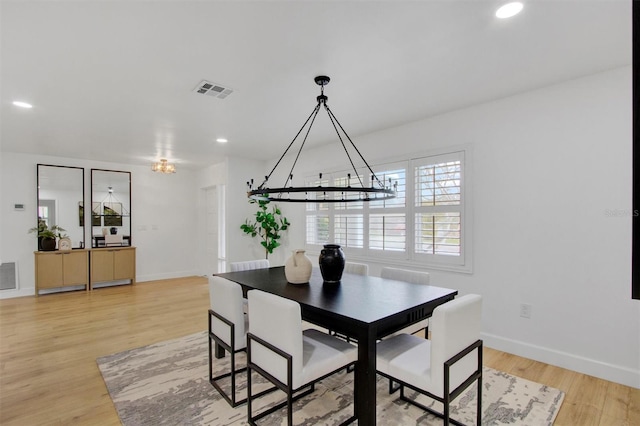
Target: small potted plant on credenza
[(47, 236)]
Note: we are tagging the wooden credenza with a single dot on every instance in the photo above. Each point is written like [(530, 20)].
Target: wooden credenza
[(85, 267), (113, 264), (61, 269)]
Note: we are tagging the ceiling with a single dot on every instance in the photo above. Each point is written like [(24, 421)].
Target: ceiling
[(114, 81)]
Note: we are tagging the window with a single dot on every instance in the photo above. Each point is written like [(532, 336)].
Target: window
[(387, 218), (438, 207), (425, 223)]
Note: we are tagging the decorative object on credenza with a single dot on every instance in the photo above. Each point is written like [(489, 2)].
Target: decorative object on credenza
[(113, 230), (268, 225), (47, 236), (298, 267), (64, 244), (163, 167), (378, 190), (331, 263)]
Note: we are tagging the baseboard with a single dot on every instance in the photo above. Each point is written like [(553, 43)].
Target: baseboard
[(21, 292), (613, 373)]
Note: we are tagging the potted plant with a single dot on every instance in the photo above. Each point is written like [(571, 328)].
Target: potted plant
[(268, 225), (47, 237)]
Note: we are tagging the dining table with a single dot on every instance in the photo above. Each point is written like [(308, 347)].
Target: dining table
[(362, 307)]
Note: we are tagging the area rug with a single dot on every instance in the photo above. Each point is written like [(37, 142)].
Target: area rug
[(167, 384)]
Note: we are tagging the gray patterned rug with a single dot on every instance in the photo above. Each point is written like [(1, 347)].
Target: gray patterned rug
[(166, 384)]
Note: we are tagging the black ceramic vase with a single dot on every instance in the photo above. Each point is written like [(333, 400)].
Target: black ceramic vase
[(47, 244), (331, 263)]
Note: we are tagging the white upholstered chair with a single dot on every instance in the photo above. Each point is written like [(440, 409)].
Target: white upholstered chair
[(228, 328), (249, 264), (292, 359), (113, 240), (444, 366), (356, 268), (415, 277)]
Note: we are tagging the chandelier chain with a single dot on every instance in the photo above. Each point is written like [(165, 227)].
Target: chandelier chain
[(326, 193)]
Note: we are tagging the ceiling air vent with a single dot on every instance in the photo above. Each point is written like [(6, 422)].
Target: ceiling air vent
[(213, 89)]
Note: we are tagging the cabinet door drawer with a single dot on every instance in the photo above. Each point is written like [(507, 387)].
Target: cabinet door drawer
[(75, 268), (124, 264), (49, 270), (101, 265)]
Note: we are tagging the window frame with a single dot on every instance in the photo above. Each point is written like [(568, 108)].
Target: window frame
[(408, 257)]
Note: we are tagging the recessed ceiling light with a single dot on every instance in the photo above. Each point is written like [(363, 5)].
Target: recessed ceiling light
[(221, 140), (22, 104), (509, 10)]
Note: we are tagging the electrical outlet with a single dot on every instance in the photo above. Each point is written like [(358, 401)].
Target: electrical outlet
[(525, 310)]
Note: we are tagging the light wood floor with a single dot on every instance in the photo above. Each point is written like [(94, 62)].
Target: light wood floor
[(49, 346)]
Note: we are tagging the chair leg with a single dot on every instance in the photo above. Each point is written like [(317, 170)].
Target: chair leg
[(479, 413), (392, 390), (289, 407), (446, 403), (249, 396)]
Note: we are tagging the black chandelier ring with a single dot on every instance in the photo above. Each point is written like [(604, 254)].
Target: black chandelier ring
[(330, 194)]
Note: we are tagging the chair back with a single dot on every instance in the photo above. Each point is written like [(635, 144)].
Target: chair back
[(356, 268), (279, 322), (113, 240), (226, 300), (249, 264), (454, 326), (415, 277)]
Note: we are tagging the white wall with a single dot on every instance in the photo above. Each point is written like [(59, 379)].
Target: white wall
[(551, 219), (162, 216), (234, 174)]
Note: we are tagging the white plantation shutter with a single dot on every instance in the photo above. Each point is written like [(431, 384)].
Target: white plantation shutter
[(424, 224), (387, 218), (318, 229), (348, 220), (438, 207), (317, 217), (387, 232), (348, 230)]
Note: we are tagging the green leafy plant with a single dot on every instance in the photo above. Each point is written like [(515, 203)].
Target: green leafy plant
[(268, 225), (44, 231)]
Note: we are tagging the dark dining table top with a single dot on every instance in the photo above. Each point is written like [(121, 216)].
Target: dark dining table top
[(363, 298)]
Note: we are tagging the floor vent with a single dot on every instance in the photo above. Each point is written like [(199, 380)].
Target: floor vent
[(213, 89), (8, 276)]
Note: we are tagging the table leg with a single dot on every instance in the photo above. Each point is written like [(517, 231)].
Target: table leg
[(365, 379)]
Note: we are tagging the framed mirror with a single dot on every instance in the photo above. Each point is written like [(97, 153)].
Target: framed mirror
[(61, 200), (110, 208)]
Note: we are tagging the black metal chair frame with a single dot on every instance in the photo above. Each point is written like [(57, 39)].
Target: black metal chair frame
[(228, 348), (231, 400), (449, 396), (292, 394)]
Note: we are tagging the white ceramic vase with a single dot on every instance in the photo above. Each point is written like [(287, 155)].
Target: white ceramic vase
[(297, 268)]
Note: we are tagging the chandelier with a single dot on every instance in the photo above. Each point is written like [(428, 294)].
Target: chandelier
[(111, 206), (378, 190), (163, 167)]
